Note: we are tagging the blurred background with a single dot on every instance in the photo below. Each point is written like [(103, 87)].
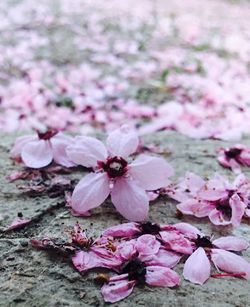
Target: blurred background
[(87, 66)]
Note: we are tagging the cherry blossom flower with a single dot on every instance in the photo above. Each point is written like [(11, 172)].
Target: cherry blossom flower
[(146, 263), (220, 252), (40, 150), (234, 156), (223, 202), (127, 183)]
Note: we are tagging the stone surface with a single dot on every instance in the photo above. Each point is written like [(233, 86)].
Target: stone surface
[(32, 278)]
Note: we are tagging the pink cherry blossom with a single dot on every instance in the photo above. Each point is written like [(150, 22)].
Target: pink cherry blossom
[(149, 264), (40, 150), (127, 183), (224, 203), (234, 157), (220, 252)]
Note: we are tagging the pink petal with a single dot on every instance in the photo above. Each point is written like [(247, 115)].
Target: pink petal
[(122, 231), (19, 144), (176, 242), (162, 277), (127, 250), (147, 245), (116, 290), (238, 209), (37, 154), (188, 207), (245, 157), (197, 267), (122, 142), (59, 144), (235, 166), (68, 200), (231, 243), (212, 195), (247, 212), (18, 223), (130, 200), (188, 230), (222, 159), (176, 193), (90, 192), (218, 183), (230, 262), (87, 151), (158, 169), (193, 182), (164, 258), (84, 261), (216, 217), (240, 180), (215, 189), (16, 175), (195, 207)]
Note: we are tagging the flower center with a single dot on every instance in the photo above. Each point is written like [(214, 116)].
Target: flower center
[(136, 270), (47, 135), (149, 228), (115, 167), (225, 208), (233, 153), (203, 242)]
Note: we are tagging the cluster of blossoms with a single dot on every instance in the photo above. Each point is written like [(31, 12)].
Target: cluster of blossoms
[(224, 203), (112, 173), (206, 93), (146, 253)]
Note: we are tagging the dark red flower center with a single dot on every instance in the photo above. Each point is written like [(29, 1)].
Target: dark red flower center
[(224, 207), (233, 153), (136, 270), (149, 228), (47, 135), (203, 242), (115, 167)]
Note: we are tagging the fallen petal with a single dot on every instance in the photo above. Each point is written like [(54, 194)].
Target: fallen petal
[(230, 262), (197, 267), (162, 277), (18, 223), (231, 243), (116, 290)]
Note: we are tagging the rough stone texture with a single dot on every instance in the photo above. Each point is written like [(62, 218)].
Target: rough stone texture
[(32, 278)]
